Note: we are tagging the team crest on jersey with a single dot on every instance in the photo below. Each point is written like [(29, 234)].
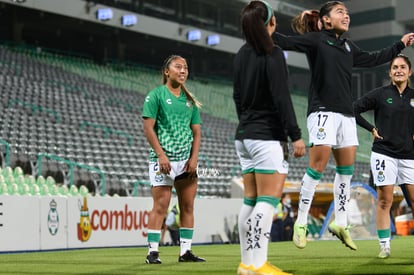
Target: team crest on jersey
[(285, 164), (321, 134), (412, 102), (188, 104), (159, 177), (381, 176), (347, 47), (169, 101)]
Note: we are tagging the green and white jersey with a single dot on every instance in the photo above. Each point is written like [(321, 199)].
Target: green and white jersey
[(173, 119)]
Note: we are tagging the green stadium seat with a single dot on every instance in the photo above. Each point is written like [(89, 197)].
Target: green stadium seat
[(25, 189), (13, 189), (73, 190), (18, 171), (63, 190), (50, 181), (83, 190), (44, 189), (54, 190), (34, 190), (40, 180), (8, 171), (4, 189), (30, 180)]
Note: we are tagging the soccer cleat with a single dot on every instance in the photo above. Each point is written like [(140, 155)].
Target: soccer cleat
[(299, 235), (245, 269), (153, 258), (385, 252), (268, 269), (343, 234), (190, 257)]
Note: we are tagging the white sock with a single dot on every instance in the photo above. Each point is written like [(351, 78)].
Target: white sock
[(307, 191), (186, 238), (246, 255), (261, 223), (153, 240), (384, 242), (185, 244), (342, 193)]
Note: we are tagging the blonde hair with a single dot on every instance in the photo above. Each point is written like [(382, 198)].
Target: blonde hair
[(188, 94)]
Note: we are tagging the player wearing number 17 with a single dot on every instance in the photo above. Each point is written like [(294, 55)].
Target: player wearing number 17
[(331, 122)]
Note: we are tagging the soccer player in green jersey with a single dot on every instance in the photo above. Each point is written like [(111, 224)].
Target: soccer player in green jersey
[(172, 127)]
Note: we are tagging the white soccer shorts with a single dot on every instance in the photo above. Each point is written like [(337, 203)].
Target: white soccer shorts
[(333, 129)]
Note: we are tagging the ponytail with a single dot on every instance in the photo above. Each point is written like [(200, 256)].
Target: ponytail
[(307, 21)]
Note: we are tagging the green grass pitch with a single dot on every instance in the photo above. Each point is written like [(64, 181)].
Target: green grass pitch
[(319, 257)]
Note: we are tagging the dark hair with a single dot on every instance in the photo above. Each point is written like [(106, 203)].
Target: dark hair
[(306, 21), (253, 21), (403, 56), (165, 66), (327, 7), (406, 59)]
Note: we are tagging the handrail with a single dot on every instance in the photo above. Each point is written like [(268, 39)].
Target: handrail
[(136, 183), (71, 165), (7, 151), (107, 130), (35, 108)]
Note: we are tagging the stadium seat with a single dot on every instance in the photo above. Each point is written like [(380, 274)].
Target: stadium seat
[(34, 190), (45, 105), (3, 189), (25, 189), (63, 190), (13, 189), (73, 190)]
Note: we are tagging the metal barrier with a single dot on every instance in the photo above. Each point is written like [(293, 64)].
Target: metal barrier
[(71, 165), (5, 143)]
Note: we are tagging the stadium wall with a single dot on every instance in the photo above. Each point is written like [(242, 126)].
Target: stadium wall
[(31, 223)]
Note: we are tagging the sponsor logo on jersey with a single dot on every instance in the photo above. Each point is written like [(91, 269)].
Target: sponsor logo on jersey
[(412, 102), (169, 101)]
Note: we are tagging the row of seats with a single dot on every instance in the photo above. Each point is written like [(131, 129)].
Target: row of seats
[(61, 106), (15, 182)]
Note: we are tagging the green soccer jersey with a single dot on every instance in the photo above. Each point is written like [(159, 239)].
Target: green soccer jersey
[(173, 118)]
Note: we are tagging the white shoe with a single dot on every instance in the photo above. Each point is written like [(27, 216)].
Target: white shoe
[(385, 252)]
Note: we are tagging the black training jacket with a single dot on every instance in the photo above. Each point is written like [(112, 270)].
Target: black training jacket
[(394, 119), (331, 60), (261, 95)]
